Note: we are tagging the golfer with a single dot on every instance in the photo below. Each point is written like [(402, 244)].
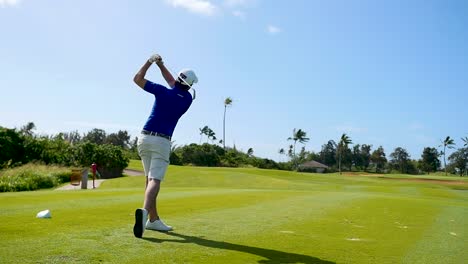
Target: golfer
[(154, 144)]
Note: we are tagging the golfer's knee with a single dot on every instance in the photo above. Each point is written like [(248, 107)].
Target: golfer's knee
[(154, 181)]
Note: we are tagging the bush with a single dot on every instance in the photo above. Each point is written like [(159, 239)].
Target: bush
[(200, 155), (11, 145), (175, 159), (265, 164), (110, 160), (233, 158), (33, 177), (49, 151)]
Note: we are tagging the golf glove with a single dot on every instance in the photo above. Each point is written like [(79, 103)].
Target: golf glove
[(155, 58)]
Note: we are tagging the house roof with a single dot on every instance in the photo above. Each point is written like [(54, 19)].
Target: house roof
[(313, 164)]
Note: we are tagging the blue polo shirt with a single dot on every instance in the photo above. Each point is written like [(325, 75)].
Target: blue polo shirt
[(169, 105)]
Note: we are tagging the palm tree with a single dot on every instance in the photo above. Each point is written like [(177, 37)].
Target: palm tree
[(227, 102), (290, 151), (344, 142), (250, 152), (281, 152), (447, 143), (203, 131), (465, 139), (28, 129), (298, 135), (211, 135)]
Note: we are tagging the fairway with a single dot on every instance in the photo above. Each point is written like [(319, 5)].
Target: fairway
[(243, 215)]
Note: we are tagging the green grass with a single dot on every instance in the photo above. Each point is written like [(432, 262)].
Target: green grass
[(135, 165), (246, 215)]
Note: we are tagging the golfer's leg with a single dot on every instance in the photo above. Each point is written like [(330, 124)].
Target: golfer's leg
[(146, 156), (151, 194)]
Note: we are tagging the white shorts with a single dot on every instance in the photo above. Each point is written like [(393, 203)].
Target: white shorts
[(154, 152)]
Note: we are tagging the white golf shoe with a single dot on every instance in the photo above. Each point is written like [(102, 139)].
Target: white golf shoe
[(141, 215), (158, 225)]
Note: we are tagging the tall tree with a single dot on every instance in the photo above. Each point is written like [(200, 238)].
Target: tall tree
[(203, 131), (290, 151), (378, 158), (227, 102), (328, 153), (450, 144), (27, 129), (342, 147), (97, 136), (465, 139), (429, 160), (134, 145), (302, 155), (211, 135), (400, 159), (298, 136), (357, 157), (250, 152), (121, 139), (459, 160), (281, 152), (366, 155), (72, 137)]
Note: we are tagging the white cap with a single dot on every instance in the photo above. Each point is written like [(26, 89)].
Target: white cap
[(188, 76)]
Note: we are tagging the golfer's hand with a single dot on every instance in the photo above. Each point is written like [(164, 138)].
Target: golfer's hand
[(156, 58)]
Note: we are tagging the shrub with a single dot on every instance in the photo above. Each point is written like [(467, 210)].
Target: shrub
[(11, 146), (33, 177), (175, 159), (200, 155), (111, 160)]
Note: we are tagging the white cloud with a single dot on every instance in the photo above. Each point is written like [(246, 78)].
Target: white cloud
[(7, 3), (239, 14), (201, 7), (273, 30)]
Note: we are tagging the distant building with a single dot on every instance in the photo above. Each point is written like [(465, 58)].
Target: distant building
[(312, 166)]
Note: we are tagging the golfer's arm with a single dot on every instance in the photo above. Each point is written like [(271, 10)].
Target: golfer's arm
[(167, 75), (139, 78)]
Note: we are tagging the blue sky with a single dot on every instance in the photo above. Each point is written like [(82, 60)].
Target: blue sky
[(391, 73)]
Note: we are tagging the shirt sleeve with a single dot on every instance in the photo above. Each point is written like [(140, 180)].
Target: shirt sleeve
[(154, 88)]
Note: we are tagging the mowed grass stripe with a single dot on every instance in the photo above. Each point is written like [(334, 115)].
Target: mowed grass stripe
[(373, 230), (106, 207), (240, 230), (240, 215), (376, 229), (216, 178), (445, 239), (208, 222)]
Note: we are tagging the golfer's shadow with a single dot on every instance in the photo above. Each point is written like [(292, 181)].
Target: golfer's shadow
[(272, 256)]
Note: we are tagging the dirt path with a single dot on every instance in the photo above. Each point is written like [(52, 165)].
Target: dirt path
[(131, 172), (68, 187), (447, 182), (427, 180), (97, 183)]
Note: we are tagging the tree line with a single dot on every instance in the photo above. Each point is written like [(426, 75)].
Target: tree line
[(360, 157), (21, 146), (112, 152)]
